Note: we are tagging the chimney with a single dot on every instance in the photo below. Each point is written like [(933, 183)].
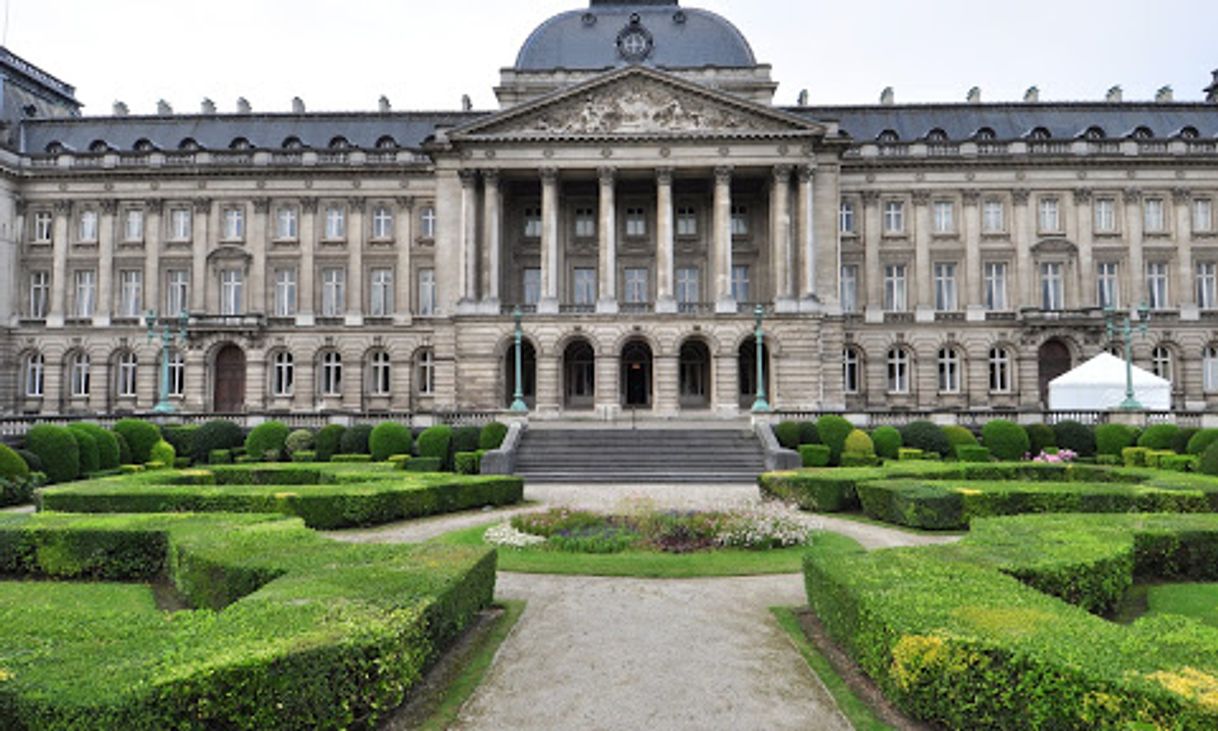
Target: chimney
[(1032, 95), (384, 105), (803, 98), (974, 95), (120, 109), (1114, 95), (209, 107), (1165, 95), (298, 105), (243, 106), (1211, 91), (163, 108), (888, 97), (467, 104)]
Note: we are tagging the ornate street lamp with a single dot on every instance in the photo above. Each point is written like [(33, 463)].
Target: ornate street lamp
[(1122, 326), (168, 339), (518, 404), (760, 406)]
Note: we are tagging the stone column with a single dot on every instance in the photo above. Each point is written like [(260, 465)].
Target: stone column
[(973, 305), (873, 276), (105, 264), (1023, 290), (726, 385), (722, 241), (468, 254), (59, 265), (259, 244), (1186, 288), (922, 276), (665, 242), (304, 291), (608, 393), (403, 278), (356, 234), (607, 247), (199, 246), (1134, 235), (152, 260), (12, 308), (807, 237), (1085, 287), (780, 239), (549, 242), (492, 239), (549, 389), (666, 398)]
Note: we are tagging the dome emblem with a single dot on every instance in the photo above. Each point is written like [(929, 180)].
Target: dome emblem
[(634, 43)]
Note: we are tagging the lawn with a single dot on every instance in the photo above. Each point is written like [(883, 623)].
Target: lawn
[(1196, 601)]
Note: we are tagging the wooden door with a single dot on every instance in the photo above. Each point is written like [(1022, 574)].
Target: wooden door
[(229, 379), (1054, 359)]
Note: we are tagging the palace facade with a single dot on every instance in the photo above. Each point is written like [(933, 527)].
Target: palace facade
[(637, 196)]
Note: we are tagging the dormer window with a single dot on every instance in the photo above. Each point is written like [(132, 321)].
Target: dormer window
[(887, 137), (99, 147), (1040, 133), (239, 144), (1189, 133), (189, 145), (936, 135), (386, 143), (1094, 133), (293, 143), (56, 148), (985, 134), (144, 145), (1142, 133), (340, 143)]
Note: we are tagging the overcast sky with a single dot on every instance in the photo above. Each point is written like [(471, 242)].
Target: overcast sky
[(344, 54)]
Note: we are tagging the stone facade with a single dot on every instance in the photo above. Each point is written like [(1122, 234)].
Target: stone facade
[(930, 257)]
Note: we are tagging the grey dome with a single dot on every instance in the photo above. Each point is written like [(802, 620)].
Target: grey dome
[(679, 38)]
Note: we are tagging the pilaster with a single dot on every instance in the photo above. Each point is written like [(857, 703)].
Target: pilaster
[(722, 242), (665, 240), (873, 277), (492, 240), (973, 306), (59, 266), (259, 243), (1085, 288), (781, 259), (806, 238), (923, 277), (549, 242), (308, 267), (1134, 237), (1186, 289), (607, 245), (356, 236), (152, 255), (199, 244), (404, 277), (105, 264)]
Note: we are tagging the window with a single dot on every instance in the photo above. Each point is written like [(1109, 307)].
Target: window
[(427, 292), (88, 226), (1156, 285), (283, 374), (532, 223), (585, 223), (1052, 286), (380, 372), (381, 293), (133, 225), (232, 286), (1107, 284), (945, 287), (532, 286), (1049, 215), (1207, 285), (636, 285), (43, 227), (687, 221), (78, 375), (426, 372), (336, 223), (427, 221), (993, 216), (894, 217), (331, 374), (740, 283), (1000, 370), (86, 292), (636, 222), (945, 217), (585, 287), (740, 220), (180, 223), (949, 371), (287, 223), (1209, 369), (894, 288), (1105, 215), (131, 292), (1161, 362), (851, 371), (382, 224), (177, 292), (285, 292), (1203, 215), (1152, 215), (126, 376), (40, 292), (898, 371), (34, 375), (333, 291), (687, 286), (845, 217), (850, 288), (234, 224), (995, 276), (177, 373)]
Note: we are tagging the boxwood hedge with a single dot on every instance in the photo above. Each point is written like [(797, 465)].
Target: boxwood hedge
[(58, 449), (140, 436)]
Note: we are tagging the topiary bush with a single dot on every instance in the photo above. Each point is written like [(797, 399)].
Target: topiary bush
[(1159, 436), (329, 441), (466, 463), (182, 437), (833, 431), (107, 444), (58, 449), (124, 449), (808, 433), (1201, 441), (217, 434), (1006, 440), (1179, 445), (300, 440), (140, 436), (887, 441), (267, 440), (1111, 439), (1076, 437), (972, 453), (355, 439), (814, 455), (1040, 436), (436, 442), (12, 466), (164, 453), (958, 436), (86, 450), (859, 443), (389, 438), (32, 461), (787, 434), (927, 436), (492, 435), (466, 438), (1209, 460)]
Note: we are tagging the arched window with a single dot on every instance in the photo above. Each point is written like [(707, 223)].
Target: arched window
[(189, 145), (283, 374), (240, 143), (949, 371), (1189, 133), (34, 375), (78, 375), (99, 146), (1161, 362), (985, 134), (888, 136), (1209, 369), (293, 143), (177, 373), (1040, 133), (1142, 133), (425, 366), (386, 143), (125, 377), (1000, 370), (898, 371), (56, 148), (340, 143), (331, 374), (852, 376), (1094, 133), (144, 145), (380, 373), (936, 135)]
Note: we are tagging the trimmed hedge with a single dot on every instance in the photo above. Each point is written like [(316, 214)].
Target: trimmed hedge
[(1209, 460), (1113, 438), (826, 491), (958, 436), (304, 455), (12, 466), (32, 461), (1076, 437), (355, 439), (815, 455), (887, 441), (107, 444), (1159, 436), (466, 438), (182, 438), (1202, 440), (389, 438), (217, 434), (329, 441), (859, 443), (349, 458), (300, 440), (140, 435), (1006, 440), (86, 445), (423, 464), (124, 449), (1040, 436), (787, 434), (164, 453), (808, 433), (492, 436), (833, 431), (298, 631), (436, 442), (927, 436), (467, 463), (1184, 435), (973, 453), (58, 449), (267, 441)]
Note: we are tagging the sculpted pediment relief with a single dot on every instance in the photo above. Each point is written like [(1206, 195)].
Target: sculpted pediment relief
[(1055, 246)]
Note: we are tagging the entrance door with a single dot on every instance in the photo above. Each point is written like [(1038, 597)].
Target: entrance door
[(1054, 359), (229, 371), (636, 375)]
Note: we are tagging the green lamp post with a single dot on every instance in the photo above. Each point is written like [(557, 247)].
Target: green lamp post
[(168, 339), (760, 406), (518, 404), (1123, 327)]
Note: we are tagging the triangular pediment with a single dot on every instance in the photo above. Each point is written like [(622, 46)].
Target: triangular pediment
[(637, 102)]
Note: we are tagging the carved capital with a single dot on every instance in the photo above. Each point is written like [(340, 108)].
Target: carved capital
[(308, 205), (870, 197), (782, 173), (1181, 196), (468, 178), (203, 205), (606, 175), (155, 205), (1132, 195), (549, 176), (723, 175), (490, 178), (807, 173), (1082, 195), (19, 205), (1020, 196), (970, 197), (109, 206), (921, 197), (63, 207), (406, 203), (262, 205), (357, 205), (664, 176)]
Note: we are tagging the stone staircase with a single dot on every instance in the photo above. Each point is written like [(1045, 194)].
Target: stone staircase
[(639, 456)]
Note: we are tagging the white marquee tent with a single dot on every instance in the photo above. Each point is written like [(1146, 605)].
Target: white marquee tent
[(1099, 385)]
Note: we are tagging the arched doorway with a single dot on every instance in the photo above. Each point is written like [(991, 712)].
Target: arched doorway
[(528, 372), (1054, 360), (228, 396), (747, 365), (636, 375), (695, 375), (579, 375)]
